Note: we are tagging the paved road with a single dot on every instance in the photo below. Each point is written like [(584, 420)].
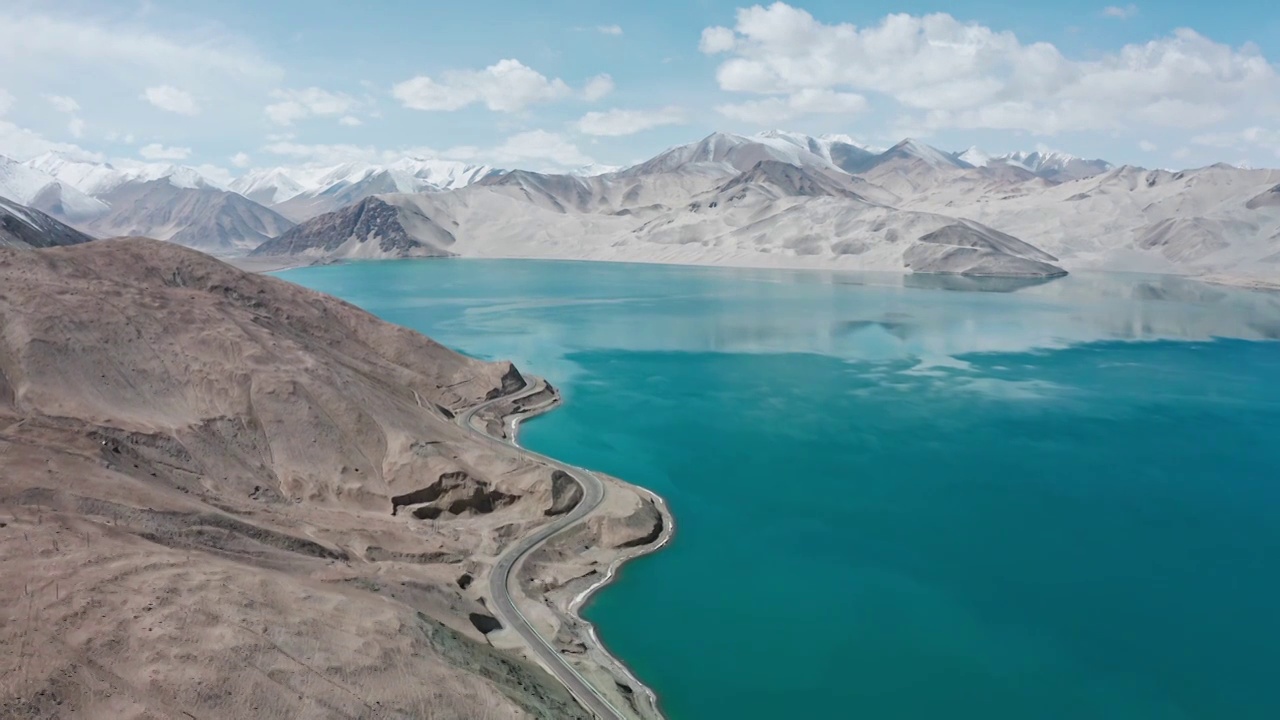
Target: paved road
[(500, 582)]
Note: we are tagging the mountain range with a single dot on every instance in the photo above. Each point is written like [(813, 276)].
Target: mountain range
[(772, 199)]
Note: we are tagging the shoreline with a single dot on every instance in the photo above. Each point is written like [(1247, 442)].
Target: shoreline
[(615, 567), (612, 665), (275, 264)]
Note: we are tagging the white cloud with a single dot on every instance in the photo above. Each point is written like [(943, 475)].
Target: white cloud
[(107, 47), (614, 123), (774, 110), (76, 127), (506, 86), (1120, 13), (241, 160), (6, 101), (63, 104), (598, 87), (1147, 146), (1250, 138), (171, 99), (23, 144), (299, 104), (156, 151), (350, 121), (717, 40), (952, 74), (1182, 153), (540, 145), (609, 29)]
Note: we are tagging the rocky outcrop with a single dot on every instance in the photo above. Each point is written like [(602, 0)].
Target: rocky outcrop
[(1270, 198), (372, 228), (24, 227), (455, 493), (966, 248), (566, 493)]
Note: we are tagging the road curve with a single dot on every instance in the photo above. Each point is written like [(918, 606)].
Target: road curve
[(502, 577)]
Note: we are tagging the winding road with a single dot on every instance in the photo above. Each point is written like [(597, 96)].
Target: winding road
[(503, 576)]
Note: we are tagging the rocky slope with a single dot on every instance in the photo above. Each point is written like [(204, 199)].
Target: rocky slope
[(204, 218), (371, 228), (41, 191), (24, 227), (787, 200), (214, 502)]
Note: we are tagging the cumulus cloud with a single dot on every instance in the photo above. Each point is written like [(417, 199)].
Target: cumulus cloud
[(350, 121), (951, 74), (615, 123), (156, 151), (241, 160), (296, 105), (506, 86), (6, 101), (598, 87), (1120, 13), (171, 99), (609, 29), (75, 126), (773, 110), (717, 40), (1147, 146), (63, 104), (540, 145)]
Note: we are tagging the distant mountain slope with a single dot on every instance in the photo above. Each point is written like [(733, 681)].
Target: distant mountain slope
[(24, 227), (97, 179), (1053, 166), (772, 213), (34, 188), (371, 228), (208, 219), (303, 194)]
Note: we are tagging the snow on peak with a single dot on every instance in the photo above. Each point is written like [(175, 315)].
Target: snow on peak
[(94, 178), (26, 185), (915, 149), (975, 157)]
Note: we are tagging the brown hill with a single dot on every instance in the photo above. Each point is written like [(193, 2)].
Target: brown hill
[(198, 475)]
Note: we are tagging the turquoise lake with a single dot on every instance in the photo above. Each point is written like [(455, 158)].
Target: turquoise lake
[(909, 497)]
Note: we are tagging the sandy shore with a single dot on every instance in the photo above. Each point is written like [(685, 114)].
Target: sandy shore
[(1248, 283)]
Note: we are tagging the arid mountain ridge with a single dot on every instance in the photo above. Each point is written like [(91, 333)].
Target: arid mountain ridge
[(223, 495), (773, 199)]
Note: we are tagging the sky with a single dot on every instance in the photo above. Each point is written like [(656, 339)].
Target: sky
[(240, 84)]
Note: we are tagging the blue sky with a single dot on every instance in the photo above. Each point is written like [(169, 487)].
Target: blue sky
[(237, 84)]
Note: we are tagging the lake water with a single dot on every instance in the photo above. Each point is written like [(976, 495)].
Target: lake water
[(910, 497)]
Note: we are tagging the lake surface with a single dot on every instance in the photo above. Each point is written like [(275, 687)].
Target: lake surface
[(909, 497)]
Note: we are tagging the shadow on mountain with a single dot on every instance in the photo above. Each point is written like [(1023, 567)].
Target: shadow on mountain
[(969, 283)]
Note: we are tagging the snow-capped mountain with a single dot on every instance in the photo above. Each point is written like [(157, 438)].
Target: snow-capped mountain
[(39, 190), (271, 185), (975, 157), (25, 227), (841, 151), (1056, 165), (1050, 165), (721, 153), (99, 178), (910, 149), (302, 193)]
